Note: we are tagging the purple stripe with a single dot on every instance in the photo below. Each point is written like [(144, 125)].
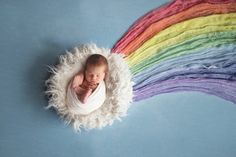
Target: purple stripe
[(222, 88)]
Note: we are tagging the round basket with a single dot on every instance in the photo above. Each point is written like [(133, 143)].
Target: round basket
[(118, 82)]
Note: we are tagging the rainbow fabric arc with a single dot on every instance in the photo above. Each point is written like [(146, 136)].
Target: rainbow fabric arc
[(186, 45)]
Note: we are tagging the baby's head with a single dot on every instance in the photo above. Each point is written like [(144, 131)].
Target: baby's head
[(96, 68)]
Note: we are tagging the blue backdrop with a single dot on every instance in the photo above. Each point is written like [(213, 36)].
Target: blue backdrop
[(34, 33)]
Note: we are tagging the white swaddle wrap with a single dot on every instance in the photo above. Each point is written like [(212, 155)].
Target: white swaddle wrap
[(95, 100)]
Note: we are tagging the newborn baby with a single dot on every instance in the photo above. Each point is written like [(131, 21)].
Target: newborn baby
[(85, 82)]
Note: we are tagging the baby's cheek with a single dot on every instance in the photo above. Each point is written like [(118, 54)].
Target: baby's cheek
[(101, 79)]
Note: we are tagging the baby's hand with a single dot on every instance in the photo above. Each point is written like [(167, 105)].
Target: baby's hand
[(92, 86)]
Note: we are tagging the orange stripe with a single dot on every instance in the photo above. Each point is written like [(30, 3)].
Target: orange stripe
[(203, 9)]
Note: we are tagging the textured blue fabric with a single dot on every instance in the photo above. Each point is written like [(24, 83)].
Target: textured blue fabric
[(34, 33)]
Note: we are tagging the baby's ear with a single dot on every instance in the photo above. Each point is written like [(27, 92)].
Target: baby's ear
[(107, 71), (106, 75)]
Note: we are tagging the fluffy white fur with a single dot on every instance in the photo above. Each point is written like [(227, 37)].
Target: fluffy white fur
[(118, 86)]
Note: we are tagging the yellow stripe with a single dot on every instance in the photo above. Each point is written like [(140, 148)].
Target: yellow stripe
[(180, 32)]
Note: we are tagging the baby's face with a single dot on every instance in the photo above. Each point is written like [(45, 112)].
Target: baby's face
[(95, 74)]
